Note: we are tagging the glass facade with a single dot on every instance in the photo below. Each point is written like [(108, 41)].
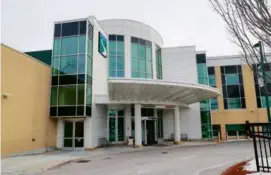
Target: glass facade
[(116, 56), (205, 110), (141, 54), (259, 87), (71, 69), (232, 86), (212, 83), (159, 71)]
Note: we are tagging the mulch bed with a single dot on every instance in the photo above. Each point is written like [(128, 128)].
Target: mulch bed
[(237, 169)]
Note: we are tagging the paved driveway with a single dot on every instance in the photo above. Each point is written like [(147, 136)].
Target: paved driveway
[(202, 160)]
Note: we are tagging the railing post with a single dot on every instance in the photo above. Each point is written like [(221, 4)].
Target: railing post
[(237, 135)]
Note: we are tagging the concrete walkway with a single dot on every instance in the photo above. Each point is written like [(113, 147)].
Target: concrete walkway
[(37, 163)]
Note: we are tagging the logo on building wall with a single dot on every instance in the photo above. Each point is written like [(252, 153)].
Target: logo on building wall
[(102, 45)]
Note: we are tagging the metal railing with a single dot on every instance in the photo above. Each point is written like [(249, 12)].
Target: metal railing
[(261, 135)]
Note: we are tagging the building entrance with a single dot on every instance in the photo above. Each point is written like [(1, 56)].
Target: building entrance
[(73, 135), (115, 126), (149, 130)]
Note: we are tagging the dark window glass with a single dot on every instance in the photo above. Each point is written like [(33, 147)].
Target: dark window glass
[(79, 129), (243, 102), (83, 27), (240, 79), (201, 58), (224, 91), (67, 79), (267, 67), (230, 69), (233, 91), (239, 68), (68, 129), (242, 93), (259, 102), (67, 111), (54, 80), (133, 112), (134, 40), (81, 79), (68, 142), (141, 41), (88, 111), (120, 38), (257, 90), (69, 29), (57, 30), (211, 70), (79, 142), (112, 37), (222, 70), (121, 113), (53, 111), (80, 110), (225, 104), (89, 80)]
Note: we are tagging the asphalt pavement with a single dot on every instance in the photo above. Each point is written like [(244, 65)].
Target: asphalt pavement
[(195, 160)]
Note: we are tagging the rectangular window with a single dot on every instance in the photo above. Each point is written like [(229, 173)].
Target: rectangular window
[(67, 95), (69, 45)]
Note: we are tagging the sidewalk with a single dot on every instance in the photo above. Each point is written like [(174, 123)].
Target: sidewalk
[(36, 163)]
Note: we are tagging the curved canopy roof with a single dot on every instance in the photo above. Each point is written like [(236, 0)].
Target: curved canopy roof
[(157, 92)]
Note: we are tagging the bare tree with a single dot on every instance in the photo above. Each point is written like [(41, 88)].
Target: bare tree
[(248, 21)]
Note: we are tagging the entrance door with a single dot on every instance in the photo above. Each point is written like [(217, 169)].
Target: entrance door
[(73, 135), (148, 132), (116, 126)]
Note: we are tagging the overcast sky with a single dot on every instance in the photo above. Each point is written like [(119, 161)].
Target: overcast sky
[(28, 24)]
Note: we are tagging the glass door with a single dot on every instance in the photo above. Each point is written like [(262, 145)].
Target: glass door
[(115, 126), (73, 135)]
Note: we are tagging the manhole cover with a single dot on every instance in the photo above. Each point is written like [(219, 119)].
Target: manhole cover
[(164, 152), (83, 161)]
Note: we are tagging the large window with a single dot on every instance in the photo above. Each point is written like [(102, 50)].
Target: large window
[(212, 83), (141, 58), (261, 90), (205, 114), (159, 71), (71, 52), (232, 85), (116, 56)]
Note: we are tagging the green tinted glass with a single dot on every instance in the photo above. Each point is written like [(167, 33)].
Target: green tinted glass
[(120, 48), (142, 65), (68, 65), (142, 51), (135, 64), (202, 70), (89, 96), (90, 47), (57, 46), (67, 95), (69, 45), (232, 79), (82, 44), (81, 64), (135, 50), (112, 48), (148, 53), (55, 66), (89, 65), (234, 103), (53, 96), (80, 94)]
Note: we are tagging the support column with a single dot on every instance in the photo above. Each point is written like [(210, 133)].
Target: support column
[(127, 118), (138, 128), (177, 133), (60, 134), (155, 125)]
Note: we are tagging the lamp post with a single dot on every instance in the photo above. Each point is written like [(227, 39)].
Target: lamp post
[(260, 45)]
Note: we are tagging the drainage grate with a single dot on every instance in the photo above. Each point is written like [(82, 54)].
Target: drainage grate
[(164, 152), (83, 161)]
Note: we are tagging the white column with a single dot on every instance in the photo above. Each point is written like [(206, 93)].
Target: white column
[(177, 132), (88, 134), (127, 118), (60, 134), (138, 128)]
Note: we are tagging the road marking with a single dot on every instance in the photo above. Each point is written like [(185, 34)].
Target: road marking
[(189, 157)]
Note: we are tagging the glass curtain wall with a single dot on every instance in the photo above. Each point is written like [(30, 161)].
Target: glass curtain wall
[(259, 88), (205, 110), (72, 55), (232, 86), (212, 83), (116, 56), (141, 58), (159, 71)]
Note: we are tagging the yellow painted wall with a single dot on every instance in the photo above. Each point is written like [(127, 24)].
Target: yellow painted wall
[(25, 113), (238, 116)]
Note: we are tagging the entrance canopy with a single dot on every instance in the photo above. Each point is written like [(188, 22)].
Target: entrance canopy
[(156, 92)]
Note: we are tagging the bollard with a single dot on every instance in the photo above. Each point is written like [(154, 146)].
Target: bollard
[(237, 135), (218, 134), (226, 135)]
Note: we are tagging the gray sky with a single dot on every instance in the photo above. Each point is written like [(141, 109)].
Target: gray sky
[(28, 24)]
